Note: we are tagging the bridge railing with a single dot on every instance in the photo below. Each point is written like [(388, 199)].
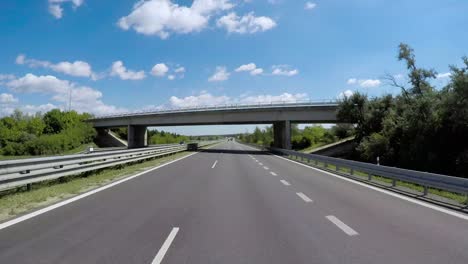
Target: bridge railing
[(424, 179), (16, 173), (232, 106)]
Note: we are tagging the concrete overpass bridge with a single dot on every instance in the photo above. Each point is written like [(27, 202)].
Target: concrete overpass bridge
[(281, 115)]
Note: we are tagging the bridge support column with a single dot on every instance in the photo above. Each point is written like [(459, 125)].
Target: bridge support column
[(137, 136), (282, 134)]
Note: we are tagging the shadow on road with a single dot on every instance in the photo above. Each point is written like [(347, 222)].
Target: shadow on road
[(234, 151)]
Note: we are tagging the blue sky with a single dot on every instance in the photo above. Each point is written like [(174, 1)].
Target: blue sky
[(117, 56)]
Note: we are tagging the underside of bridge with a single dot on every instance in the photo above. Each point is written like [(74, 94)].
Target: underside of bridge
[(280, 116), (138, 135)]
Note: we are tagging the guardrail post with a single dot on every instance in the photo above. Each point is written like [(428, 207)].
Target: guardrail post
[(28, 187), (393, 182), (351, 171), (369, 176), (326, 165), (337, 168), (426, 190)]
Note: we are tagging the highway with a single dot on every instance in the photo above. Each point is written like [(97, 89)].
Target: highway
[(235, 204)]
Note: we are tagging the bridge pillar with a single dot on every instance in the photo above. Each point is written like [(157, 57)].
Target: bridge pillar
[(282, 134), (137, 136)]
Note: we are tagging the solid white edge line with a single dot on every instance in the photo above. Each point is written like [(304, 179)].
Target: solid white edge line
[(409, 199), (345, 228), (274, 174), (214, 164), (285, 182), (162, 251), (304, 197), (81, 196), (265, 167)]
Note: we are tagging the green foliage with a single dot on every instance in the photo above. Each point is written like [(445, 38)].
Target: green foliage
[(300, 139), (52, 133), (423, 128), (161, 137)]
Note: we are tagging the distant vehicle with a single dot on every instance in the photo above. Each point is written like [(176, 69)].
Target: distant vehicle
[(182, 142)]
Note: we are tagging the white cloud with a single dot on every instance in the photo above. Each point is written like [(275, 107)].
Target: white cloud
[(369, 83), (220, 74), (180, 70), (7, 98), (83, 98), (32, 109), (251, 67), (443, 75), (159, 70), (207, 99), (310, 5), (344, 94), (203, 99), (284, 97), (55, 6), (162, 17), (246, 67), (256, 71), (365, 83), (6, 77), (284, 70), (118, 69), (246, 24), (171, 77), (20, 59), (76, 68)]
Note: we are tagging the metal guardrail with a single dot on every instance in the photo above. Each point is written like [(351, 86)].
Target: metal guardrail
[(224, 107), (424, 179), (16, 173)]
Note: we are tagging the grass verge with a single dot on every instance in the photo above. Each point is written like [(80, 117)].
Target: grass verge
[(14, 202), (458, 198)]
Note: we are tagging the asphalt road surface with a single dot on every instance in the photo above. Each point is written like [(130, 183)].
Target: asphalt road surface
[(233, 204)]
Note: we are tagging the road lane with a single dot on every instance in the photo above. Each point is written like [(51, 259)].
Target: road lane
[(229, 209), (417, 233)]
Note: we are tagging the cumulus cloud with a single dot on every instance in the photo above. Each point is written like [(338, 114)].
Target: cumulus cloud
[(179, 70), (284, 97), (344, 94), (84, 99), (7, 98), (256, 71), (162, 17), (365, 83), (56, 9), (284, 70), (251, 67), (171, 77), (159, 70), (207, 99), (76, 68), (310, 5), (118, 69), (247, 24), (443, 75), (220, 74), (6, 77), (203, 99)]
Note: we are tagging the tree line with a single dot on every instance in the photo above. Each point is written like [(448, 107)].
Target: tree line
[(310, 136), (44, 134), (422, 128)]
